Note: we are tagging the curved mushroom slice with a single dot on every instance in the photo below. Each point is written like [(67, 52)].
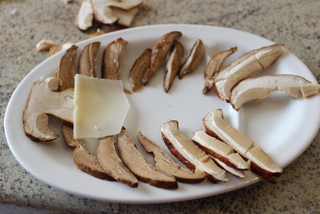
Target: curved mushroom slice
[(159, 54), (84, 17), (111, 59), (138, 69), (112, 164), (135, 161), (231, 170), (258, 88), (245, 65), (66, 70), (190, 154), (215, 125), (102, 12), (87, 60), (125, 16), (43, 101), (261, 163), (173, 65), (125, 5), (193, 58), (214, 67), (220, 150), (82, 157), (164, 163)]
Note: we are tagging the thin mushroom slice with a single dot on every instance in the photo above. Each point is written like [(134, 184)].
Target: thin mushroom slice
[(112, 164), (245, 65), (144, 171), (258, 88), (87, 60), (138, 69), (261, 163), (192, 59), (163, 162), (82, 157), (190, 154), (220, 150), (231, 170), (159, 54), (66, 70), (44, 100), (111, 59), (214, 66), (84, 17), (173, 65)]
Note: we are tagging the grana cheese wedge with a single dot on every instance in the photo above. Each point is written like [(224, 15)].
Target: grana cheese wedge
[(100, 107)]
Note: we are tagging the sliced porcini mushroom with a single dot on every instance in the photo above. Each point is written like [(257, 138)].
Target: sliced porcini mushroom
[(44, 45), (125, 5), (163, 162), (245, 65), (261, 163), (102, 13), (144, 171), (216, 126), (82, 157), (125, 16), (220, 150), (66, 70), (84, 16), (138, 69), (192, 59), (173, 65), (159, 54), (56, 48), (87, 60), (112, 164), (190, 154), (101, 32), (214, 66), (231, 170), (44, 100), (258, 88), (111, 59)]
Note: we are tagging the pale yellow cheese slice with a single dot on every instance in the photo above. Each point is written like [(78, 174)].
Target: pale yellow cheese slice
[(100, 107)]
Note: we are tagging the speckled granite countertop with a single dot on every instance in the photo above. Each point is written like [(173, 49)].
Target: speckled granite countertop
[(295, 23)]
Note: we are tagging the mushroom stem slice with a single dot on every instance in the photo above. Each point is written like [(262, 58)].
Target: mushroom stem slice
[(82, 157), (144, 171), (220, 150), (111, 59), (43, 100), (112, 164), (164, 163), (214, 67), (66, 70), (258, 88), (84, 17), (159, 54), (173, 65), (193, 58), (138, 69), (190, 154), (245, 65), (87, 60)]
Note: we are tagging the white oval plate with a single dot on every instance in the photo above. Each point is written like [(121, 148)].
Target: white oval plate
[(283, 127)]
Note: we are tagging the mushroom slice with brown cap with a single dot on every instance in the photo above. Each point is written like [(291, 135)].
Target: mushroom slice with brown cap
[(173, 65), (84, 17), (87, 60), (219, 150), (159, 54), (144, 171), (44, 100), (214, 67), (193, 58), (245, 65), (112, 164), (66, 70), (190, 154), (258, 88), (163, 162), (111, 59), (82, 157), (138, 69)]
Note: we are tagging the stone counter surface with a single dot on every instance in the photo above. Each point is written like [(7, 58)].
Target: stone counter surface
[(294, 23)]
